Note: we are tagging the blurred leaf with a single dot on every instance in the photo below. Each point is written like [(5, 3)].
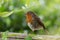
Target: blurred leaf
[(7, 21), (4, 35), (28, 38), (5, 14)]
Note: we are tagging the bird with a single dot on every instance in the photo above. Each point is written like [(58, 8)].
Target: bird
[(34, 22)]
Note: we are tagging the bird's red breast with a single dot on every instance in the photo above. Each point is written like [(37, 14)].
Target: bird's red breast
[(28, 18)]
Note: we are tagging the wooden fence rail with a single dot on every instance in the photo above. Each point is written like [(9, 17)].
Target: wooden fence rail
[(21, 36)]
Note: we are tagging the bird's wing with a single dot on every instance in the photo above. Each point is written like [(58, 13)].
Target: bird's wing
[(39, 21)]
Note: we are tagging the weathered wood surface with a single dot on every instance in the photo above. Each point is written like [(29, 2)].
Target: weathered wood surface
[(21, 36), (14, 36)]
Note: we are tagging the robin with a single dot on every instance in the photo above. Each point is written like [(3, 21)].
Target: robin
[(34, 22)]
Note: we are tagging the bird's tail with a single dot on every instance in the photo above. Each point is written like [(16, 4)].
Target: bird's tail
[(46, 31)]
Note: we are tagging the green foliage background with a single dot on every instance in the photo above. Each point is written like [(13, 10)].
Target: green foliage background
[(12, 14)]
